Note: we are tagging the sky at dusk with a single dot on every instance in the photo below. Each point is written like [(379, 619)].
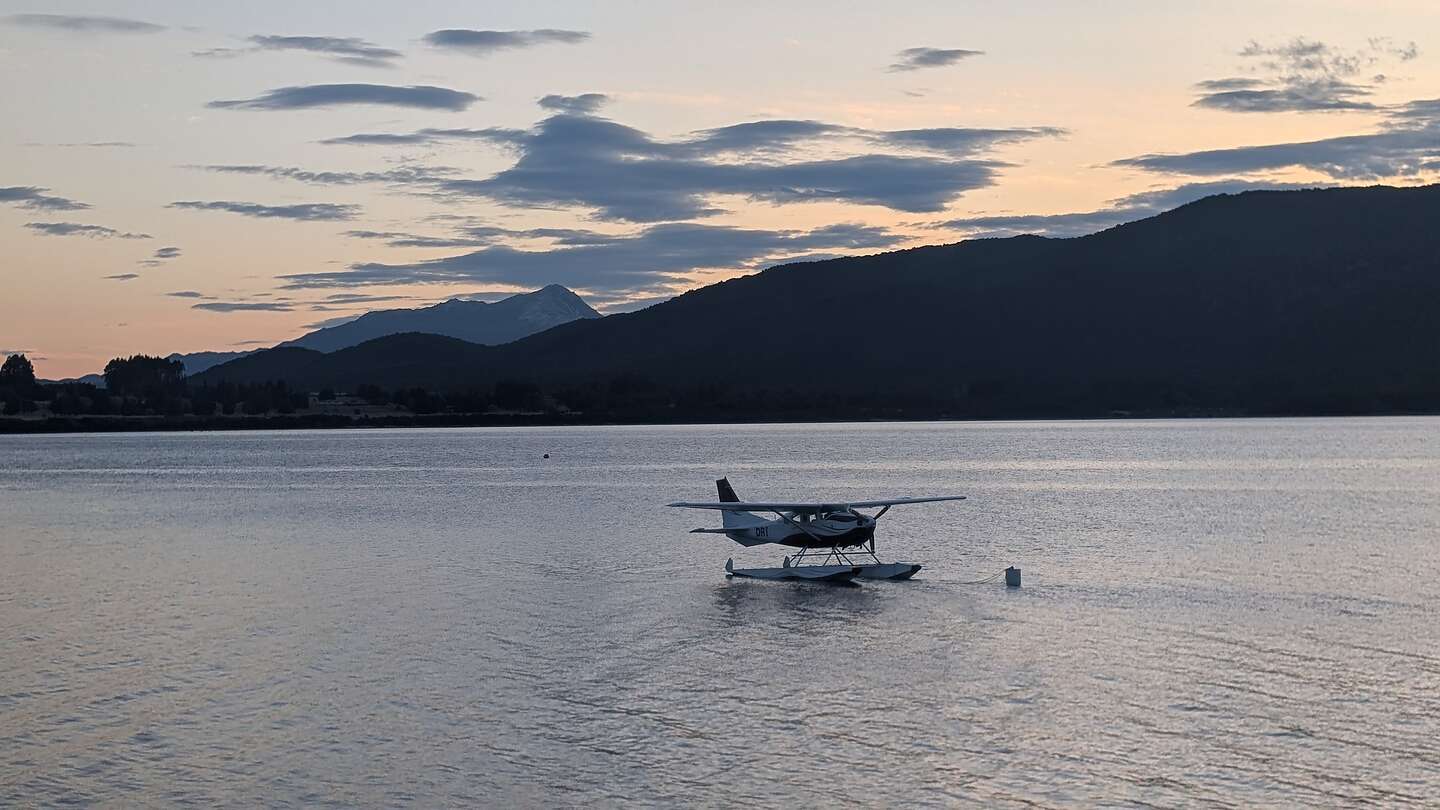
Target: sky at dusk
[(182, 176)]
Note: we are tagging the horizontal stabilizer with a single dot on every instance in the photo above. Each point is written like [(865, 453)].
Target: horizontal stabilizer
[(710, 531)]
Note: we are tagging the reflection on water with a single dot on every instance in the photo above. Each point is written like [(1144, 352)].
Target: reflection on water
[(800, 605), (1215, 612)]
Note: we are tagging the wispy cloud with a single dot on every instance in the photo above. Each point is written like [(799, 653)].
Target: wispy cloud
[(583, 104), (772, 136), (1407, 144), (244, 306), (781, 135), (403, 239), (82, 24), (123, 276), (1304, 75), (350, 50), (963, 141), (1119, 211), (35, 198), (405, 174), (187, 294), (310, 212), (86, 145), (618, 304), (362, 298), (496, 135), (484, 235), (329, 322), (75, 229), (625, 262), (161, 256), (312, 96), (484, 43), (919, 58)]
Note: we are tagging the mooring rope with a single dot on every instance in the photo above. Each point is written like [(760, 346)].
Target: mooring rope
[(986, 580)]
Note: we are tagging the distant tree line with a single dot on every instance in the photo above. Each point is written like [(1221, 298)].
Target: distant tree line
[(142, 385), (156, 387)]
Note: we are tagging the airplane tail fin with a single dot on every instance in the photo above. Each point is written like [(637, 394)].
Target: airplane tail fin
[(727, 493), (735, 520)]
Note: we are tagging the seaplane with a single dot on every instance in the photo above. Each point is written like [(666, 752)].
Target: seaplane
[(834, 539)]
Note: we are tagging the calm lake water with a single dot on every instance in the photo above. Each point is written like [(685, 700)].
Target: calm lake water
[(1227, 613)]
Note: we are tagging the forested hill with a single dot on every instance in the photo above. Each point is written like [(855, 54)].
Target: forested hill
[(1265, 301)]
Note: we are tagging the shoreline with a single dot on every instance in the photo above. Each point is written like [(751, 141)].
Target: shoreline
[(192, 424)]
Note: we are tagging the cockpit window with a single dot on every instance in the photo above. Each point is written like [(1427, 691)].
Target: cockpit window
[(843, 517)]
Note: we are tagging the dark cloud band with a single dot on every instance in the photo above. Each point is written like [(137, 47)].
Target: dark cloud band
[(496, 135), (76, 229), (350, 50), (332, 95), (625, 174), (1311, 96), (583, 104), (35, 198), (1351, 157), (622, 173), (406, 175), (619, 262), (483, 43), (308, 212), (1122, 210), (243, 306), (919, 58), (84, 25)]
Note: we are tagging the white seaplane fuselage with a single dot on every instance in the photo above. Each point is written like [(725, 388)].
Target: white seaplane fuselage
[(839, 528)]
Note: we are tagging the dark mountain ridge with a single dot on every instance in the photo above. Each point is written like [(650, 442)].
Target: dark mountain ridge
[(1263, 301)]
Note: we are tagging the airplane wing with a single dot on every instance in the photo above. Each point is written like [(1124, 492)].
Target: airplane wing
[(762, 506), (777, 506), (898, 501)]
